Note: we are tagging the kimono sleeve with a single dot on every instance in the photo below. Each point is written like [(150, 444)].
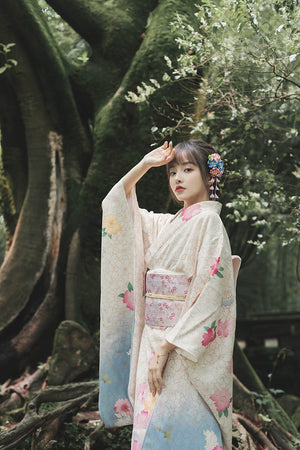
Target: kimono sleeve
[(151, 223), (212, 287)]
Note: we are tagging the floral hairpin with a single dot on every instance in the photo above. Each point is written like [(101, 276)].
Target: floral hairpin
[(216, 166)]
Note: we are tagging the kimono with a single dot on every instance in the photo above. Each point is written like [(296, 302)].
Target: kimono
[(170, 277)]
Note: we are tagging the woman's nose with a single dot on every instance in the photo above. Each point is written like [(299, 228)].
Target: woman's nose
[(178, 177)]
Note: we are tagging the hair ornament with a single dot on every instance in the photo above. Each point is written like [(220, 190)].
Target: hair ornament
[(216, 167)]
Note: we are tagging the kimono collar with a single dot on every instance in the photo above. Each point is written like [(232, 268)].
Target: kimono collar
[(197, 208), (209, 204)]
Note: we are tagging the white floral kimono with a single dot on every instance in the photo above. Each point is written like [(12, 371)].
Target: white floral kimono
[(188, 299)]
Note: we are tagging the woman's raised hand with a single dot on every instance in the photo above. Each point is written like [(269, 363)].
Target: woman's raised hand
[(160, 156)]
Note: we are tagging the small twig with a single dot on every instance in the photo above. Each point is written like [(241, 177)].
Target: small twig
[(38, 375), (279, 433), (281, 75), (62, 393), (4, 387)]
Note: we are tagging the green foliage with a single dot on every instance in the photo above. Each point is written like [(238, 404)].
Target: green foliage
[(8, 63), (70, 43), (117, 438), (244, 59), (26, 445), (276, 391), (260, 399), (73, 436)]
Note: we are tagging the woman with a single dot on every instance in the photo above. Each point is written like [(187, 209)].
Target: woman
[(170, 342)]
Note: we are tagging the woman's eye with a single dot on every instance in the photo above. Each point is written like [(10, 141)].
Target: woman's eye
[(172, 174), (188, 169)]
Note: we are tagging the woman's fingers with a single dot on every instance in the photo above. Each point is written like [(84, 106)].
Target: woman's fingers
[(161, 155), (158, 382), (164, 146), (155, 381), (151, 384), (151, 381), (156, 368), (169, 152)]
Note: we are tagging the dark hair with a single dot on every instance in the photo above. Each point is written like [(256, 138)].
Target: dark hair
[(194, 151)]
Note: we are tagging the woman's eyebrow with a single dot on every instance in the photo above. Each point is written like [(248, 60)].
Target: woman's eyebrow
[(185, 163)]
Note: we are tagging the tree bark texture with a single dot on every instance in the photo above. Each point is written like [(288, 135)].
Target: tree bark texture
[(71, 396)]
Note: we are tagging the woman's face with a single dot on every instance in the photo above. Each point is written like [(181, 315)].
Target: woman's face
[(187, 184)]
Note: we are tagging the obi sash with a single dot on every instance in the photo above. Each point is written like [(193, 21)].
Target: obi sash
[(165, 295)]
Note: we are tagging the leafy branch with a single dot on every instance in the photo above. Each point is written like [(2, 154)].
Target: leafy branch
[(242, 61), (8, 62)]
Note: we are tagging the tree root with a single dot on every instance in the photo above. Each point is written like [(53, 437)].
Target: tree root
[(73, 395), (13, 396), (46, 437), (254, 428), (256, 432), (244, 437), (261, 423)]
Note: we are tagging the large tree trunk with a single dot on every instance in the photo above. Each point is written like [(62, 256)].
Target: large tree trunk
[(31, 301)]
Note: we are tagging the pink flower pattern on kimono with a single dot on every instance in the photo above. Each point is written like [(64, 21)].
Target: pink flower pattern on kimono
[(229, 366), (136, 445), (128, 297), (163, 314), (159, 313), (141, 420), (151, 357), (123, 408), (222, 400), (210, 334), (218, 447), (143, 390), (225, 328), (216, 269), (191, 211)]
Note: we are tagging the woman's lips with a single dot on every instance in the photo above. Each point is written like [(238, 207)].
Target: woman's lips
[(179, 189)]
